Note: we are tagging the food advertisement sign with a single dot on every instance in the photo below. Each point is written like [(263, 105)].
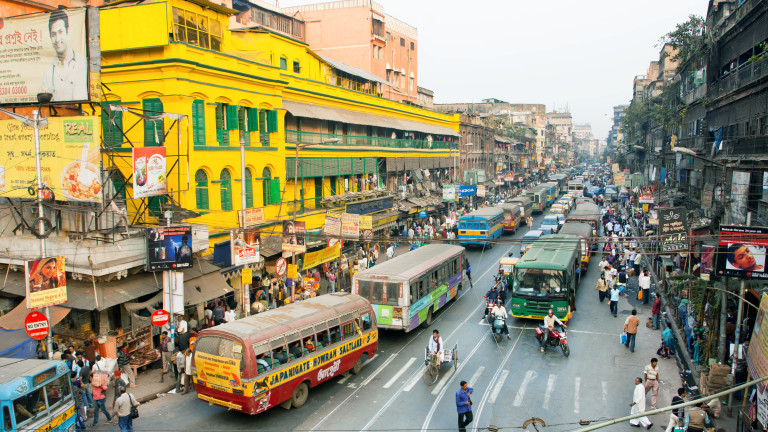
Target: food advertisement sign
[(741, 252), (673, 229), (169, 248), (149, 174), (46, 282), (294, 233), (69, 158), (221, 372), (245, 244), (44, 53)]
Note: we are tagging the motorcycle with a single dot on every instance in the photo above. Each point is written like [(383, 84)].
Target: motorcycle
[(488, 307), (499, 325), (556, 337)]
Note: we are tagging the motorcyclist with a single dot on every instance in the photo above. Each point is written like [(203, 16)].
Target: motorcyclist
[(549, 325), (493, 294), (500, 312)]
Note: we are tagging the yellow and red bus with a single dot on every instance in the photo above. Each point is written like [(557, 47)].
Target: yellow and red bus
[(274, 358), (513, 216)]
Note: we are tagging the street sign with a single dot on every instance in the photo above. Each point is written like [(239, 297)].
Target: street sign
[(281, 266), (423, 214), (160, 317), (368, 234), (36, 325), (332, 241)]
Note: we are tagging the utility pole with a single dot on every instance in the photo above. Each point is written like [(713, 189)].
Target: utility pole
[(737, 340), (246, 298)]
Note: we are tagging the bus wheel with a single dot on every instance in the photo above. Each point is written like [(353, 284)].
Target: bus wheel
[(300, 395), (358, 365), (427, 322)]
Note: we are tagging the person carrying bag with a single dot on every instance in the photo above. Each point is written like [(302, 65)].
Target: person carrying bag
[(126, 409)]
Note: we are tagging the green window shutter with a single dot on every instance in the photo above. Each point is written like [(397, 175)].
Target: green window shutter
[(271, 121), (111, 130), (232, 117), (248, 189), (253, 119), (274, 191), (262, 120), (154, 130), (242, 124), (201, 190), (198, 122), (283, 63), (225, 188), (222, 136)]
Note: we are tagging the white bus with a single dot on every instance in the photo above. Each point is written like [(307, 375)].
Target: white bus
[(576, 188)]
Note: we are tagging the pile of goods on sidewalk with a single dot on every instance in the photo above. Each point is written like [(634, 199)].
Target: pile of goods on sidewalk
[(718, 379)]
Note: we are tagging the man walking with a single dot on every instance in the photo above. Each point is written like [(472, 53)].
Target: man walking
[(122, 410), (630, 327), (181, 361), (464, 406), (645, 284), (602, 287), (651, 374), (656, 311), (615, 301), (638, 406), (166, 351), (676, 416)]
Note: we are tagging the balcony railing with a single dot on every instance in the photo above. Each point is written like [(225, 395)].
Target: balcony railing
[(747, 145), (739, 78), (299, 137)]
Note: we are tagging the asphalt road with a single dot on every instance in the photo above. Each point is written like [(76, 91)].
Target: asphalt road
[(512, 380)]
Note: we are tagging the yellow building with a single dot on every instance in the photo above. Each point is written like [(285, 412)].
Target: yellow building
[(257, 85)]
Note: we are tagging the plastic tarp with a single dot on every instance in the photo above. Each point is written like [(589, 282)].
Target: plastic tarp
[(17, 344), (14, 320)]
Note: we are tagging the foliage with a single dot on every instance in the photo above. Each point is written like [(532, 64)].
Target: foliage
[(687, 37), (762, 54), (665, 110)]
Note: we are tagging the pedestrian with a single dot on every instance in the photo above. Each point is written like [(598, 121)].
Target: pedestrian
[(166, 351), (676, 416), (124, 363), (181, 361), (85, 379), (638, 405), (615, 301), (100, 401), (630, 328), (602, 287), (696, 419), (187, 370), (229, 315), (117, 384), (122, 410), (464, 405), (656, 311), (218, 313), (651, 374), (645, 284), (469, 272), (80, 409), (603, 264)]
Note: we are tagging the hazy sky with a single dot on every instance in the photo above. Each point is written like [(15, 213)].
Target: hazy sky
[(579, 54)]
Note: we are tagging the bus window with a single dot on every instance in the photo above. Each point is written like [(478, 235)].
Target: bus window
[(393, 292), (366, 321), (279, 351), (294, 345), (414, 290), (421, 287), (263, 357), (28, 407), (335, 332), (7, 422), (348, 329), (364, 289), (322, 340), (57, 390), (377, 293), (308, 339)]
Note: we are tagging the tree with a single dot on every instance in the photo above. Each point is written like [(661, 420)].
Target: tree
[(687, 37)]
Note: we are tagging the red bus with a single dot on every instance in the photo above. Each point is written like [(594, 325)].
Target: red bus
[(275, 357), (513, 216)]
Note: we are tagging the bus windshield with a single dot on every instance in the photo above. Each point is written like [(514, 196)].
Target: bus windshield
[(539, 282)]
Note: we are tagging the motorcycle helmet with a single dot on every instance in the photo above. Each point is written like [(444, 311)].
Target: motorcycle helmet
[(498, 302)]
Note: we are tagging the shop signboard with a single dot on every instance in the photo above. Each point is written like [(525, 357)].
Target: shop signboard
[(481, 191), (466, 190), (314, 259), (254, 216), (332, 225), (370, 206), (741, 252), (149, 173), (350, 226), (293, 271), (46, 282), (294, 236), (366, 222), (646, 197), (247, 276), (449, 193), (69, 159), (673, 229), (169, 248), (245, 246), (757, 355)]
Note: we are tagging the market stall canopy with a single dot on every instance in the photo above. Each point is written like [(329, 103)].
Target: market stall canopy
[(14, 319)]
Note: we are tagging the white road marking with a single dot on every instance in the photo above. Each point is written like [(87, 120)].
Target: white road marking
[(443, 381), (604, 386), (412, 382), (497, 388), (400, 372), (378, 371), (472, 381), (529, 376), (344, 377), (576, 385), (591, 332), (550, 389)]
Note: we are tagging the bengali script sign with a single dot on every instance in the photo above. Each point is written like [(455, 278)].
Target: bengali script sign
[(673, 229), (350, 225), (219, 371), (314, 259), (332, 225)]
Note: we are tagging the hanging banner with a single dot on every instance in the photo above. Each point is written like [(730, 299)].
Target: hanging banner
[(366, 222), (293, 271), (149, 173), (245, 246), (46, 282), (247, 277), (69, 159), (294, 233), (253, 216), (742, 252), (332, 225), (169, 248), (673, 229), (481, 191), (350, 226), (449, 193), (757, 355), (314, 259)]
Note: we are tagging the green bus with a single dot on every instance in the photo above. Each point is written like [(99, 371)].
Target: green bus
[(545, 278), (538, 199)]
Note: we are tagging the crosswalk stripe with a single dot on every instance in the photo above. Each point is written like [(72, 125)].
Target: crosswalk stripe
[(550, 388), (604, 386), (476, 376), (443, 381), (378, 371), (529, 376), (577, 384), (400, 372), (414, 379), (498, 386)]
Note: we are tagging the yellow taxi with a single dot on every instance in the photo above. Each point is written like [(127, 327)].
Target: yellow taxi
[(507, 267)]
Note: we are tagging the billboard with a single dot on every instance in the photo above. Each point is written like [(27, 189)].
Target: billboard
[(254, 216), (757, 355), (673, 229), (449, 193), (245, 246), (332, 225), (169, 248), (47, 53), (741, 252), (149, 173), (294, 233), (46, 283), (69, 158), (350, 226)]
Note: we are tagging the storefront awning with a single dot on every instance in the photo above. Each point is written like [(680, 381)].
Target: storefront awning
[(300, 109), (14, 319), (205, 288)]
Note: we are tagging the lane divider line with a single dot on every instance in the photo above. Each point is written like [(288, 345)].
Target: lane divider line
[(400, 372)]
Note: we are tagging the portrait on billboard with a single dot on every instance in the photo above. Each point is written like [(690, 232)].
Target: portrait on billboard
[(66, 78), (745, 257), (245, 246), (46, 282)]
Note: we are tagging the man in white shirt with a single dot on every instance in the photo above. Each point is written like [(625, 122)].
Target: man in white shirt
[(391, 251), (229, 315), (498, 311), (651, 373), (603, 264), (549, 325), (645, 284), (436, 346), (66, 77), (181, 324), (638, 405), (609, 227)]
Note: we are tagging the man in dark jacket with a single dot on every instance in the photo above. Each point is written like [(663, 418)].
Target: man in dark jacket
[(124, 363)]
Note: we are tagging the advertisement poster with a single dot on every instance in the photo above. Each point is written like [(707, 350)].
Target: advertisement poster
[(673, 229), (169, 248), (757, 355), (449, 193), (350, 226), (466, 190), (742, 252), (739, 191), (314, 259), (707, 259), (46, 282), (294, 234), (481, 191), (44, 53), (69, 158), (762, 407), (219, 371), (366, 222), (253, 216), (245, 244), (332, 225), (149, 174)]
